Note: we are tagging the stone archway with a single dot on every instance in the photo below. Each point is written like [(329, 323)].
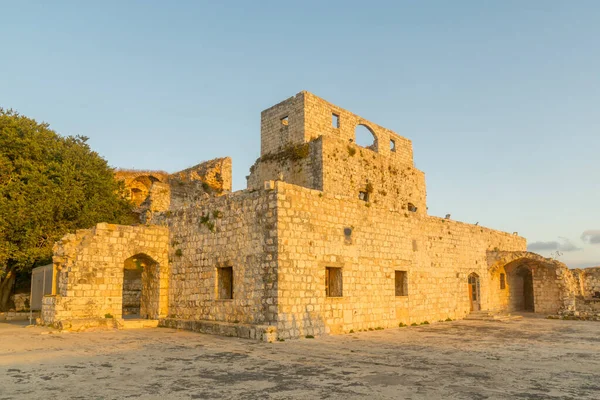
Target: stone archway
[(532, 282), (141, 287)]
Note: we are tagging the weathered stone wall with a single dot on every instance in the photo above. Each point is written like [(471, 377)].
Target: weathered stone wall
[(282, 125), (91, 264), (317, 230), (158, 191), (333, 162), (318, 121), (389, 181), (305, 117), (237, 231), (590, 282), (215, 173), (300, 165)]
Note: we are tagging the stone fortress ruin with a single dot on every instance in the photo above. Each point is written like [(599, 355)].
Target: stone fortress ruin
[(328, 237)]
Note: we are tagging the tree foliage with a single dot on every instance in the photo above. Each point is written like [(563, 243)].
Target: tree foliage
[(49, 185)]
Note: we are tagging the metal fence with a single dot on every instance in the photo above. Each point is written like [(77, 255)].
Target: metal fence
[(42, 283)]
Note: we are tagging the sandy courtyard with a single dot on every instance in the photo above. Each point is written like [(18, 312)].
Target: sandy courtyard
[(529, 359)]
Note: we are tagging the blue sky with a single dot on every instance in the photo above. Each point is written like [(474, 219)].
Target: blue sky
[(500, 98)]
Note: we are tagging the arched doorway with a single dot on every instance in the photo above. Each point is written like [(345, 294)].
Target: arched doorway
[(141, 287), (474, 292), (521, 285)]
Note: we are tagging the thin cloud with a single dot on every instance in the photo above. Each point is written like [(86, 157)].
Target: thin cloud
[(591, 236), (543, 246), (566, 245), (563, 244)]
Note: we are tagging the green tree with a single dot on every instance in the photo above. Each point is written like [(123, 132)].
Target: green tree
[(49, 185)]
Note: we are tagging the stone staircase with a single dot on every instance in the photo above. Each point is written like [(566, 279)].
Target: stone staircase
[(492, 316), (136, 323)]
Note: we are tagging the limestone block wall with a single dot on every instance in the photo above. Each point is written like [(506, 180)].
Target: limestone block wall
[(590, 281), (317, 230), (282, 125), (90, 265), (236, 231), (390, 181), (318, 121), (300, 165), (305, 117), (215, 173)]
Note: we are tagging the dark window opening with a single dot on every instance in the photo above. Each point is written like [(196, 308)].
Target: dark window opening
[(225, 283), (333, 282), (392, 145), (401, 283), (411, 207), (285, 121), (335, 120), (364, 196), (502, 281)]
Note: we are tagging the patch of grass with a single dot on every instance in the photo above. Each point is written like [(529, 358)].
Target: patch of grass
[(414, 324), (309, 336), (401, 325), (178, 252), (351, 331), (379, 328), (369, 188), (351, 151), (108, 315), (280, 339), (217, 214), (448, 319), (370, 329), (425, 323)]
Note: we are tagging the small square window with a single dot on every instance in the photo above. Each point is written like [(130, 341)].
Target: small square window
[(333, 282), (364, 196), (285, 121), (502, 281), (392, 145), (401, 282), (225, 283), (335, 120)]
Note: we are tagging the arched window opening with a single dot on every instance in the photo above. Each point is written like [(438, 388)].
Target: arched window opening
[(365, 137)]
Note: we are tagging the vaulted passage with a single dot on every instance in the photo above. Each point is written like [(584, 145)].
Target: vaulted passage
[(140, 287), (526, 282), (520, 282)]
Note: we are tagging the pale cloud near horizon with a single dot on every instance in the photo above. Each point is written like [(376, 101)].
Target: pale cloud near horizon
[(591, 236), (563, 244)]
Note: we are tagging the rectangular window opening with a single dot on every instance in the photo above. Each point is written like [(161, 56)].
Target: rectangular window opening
[(401, 283), (335, 120), (225, 283), (285, 121), (502, 281), (364, 196), (333, 282)]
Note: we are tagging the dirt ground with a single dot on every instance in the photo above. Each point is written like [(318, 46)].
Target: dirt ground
[(529, 359)]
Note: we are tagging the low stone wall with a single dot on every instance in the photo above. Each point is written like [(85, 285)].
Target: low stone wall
[(18, 316), (265, 333)]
